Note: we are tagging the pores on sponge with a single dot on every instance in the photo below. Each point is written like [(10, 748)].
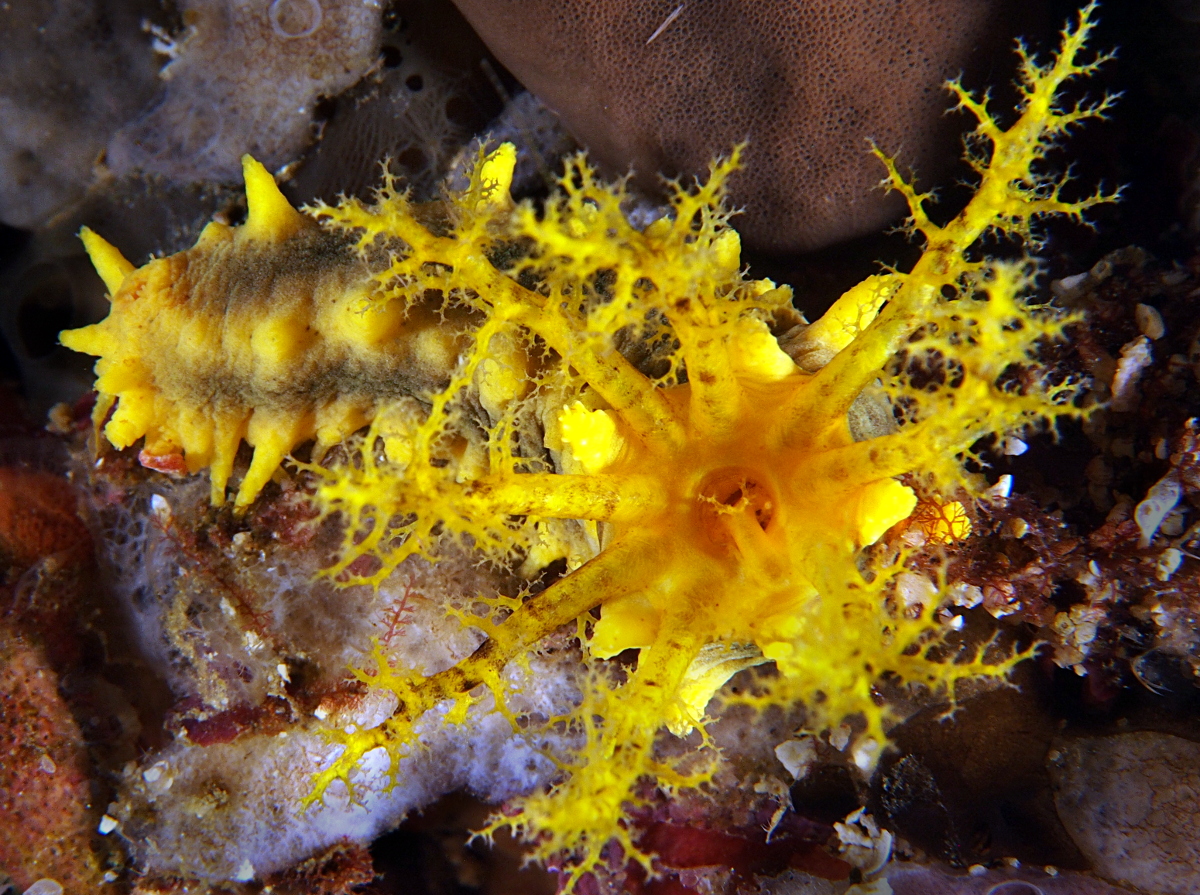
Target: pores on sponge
[(664, 86)]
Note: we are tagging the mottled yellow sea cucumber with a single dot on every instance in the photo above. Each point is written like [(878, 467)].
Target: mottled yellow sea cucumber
[(265, 333)]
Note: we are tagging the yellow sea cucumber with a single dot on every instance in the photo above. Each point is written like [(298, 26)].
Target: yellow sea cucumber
[(264, 332), (618, 400)]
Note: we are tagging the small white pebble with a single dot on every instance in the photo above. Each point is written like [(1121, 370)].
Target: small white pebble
[(160, 508), (107, 825), (1070, 287), (1011, 446), (45, 886), (1050, 870), (153, 773), (245, 871), (283, 672), (1153, 509), (1149, 321), (1001, 490), (976, 870), (866, 754), (110, 876), (1136, 356), (46, 765), (797, 755)]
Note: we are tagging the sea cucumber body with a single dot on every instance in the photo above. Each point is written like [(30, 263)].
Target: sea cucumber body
[(265, 333)]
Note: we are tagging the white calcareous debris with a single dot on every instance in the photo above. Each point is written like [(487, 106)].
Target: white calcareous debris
[(915, 589), (1168, 563), (245, 871), (1136, 356), (797, 755), (161, 508), (1149, 321), (1001, 490), (863, 844), (1011, 446), (965, 596), (1159, 501), (1076, 629)]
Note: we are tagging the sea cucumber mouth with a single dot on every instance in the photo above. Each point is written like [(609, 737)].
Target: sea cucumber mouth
[(730, 498)]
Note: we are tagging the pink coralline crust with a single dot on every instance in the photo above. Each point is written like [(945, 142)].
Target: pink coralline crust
[(746, 850), (343, 868), (168, 464), (45, 800), (37, 518)]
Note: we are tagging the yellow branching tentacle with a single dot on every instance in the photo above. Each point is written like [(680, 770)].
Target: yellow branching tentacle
[(597, 497), (531, 622), (587, 810), (642, 406)]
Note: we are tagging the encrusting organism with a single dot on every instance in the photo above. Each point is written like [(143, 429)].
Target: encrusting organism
[(664, 85), (619, 403)]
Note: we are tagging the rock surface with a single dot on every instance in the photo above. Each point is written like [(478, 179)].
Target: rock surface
[(1131, 802)]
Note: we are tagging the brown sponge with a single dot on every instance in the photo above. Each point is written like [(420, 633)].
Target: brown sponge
[(664, 85)]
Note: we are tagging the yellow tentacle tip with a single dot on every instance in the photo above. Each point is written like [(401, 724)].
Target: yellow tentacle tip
[(494, 176), (106, 258), (269, 215), (853, 312), (590, 436), (879, 506)]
